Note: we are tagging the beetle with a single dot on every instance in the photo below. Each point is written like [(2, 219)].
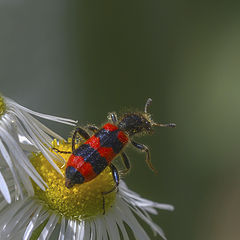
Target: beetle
[(99, 150)]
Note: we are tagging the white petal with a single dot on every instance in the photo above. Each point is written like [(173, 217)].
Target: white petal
[(35, 136), (92, 230), (122, 228), (41, 115), (132, 222), (164, 206), (30, 227), (26, 144), (21, 218), (87, 231), (4, 189), (27, 182), (46, 129), (62, 229), (44, 215), (111, 226), (22, 159), (9, 212), (105, 235), (71, 230), (154, 226), (50, 226), (3, 204), (8, 160), (99, 228), (80, 230)]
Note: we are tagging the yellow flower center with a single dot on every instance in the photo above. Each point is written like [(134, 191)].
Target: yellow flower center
[(82, 201), (2, 106)]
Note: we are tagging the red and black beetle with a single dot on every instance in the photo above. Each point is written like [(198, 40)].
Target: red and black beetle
[(98, 151)]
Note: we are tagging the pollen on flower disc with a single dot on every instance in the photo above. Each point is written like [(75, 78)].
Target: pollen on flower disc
[(82, 201), (2, 106)]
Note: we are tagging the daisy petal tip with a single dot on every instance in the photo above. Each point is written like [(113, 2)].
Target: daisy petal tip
[(8, 198), (169, 207)]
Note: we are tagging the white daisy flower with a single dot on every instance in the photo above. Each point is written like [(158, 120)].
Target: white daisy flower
[(21, 132), (76, 213)]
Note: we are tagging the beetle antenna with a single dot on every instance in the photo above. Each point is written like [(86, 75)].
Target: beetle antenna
[(171, 125), (147, 104)]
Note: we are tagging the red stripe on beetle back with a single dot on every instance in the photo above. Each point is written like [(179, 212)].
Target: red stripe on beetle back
[(122, 137), (94, 142), (75, 161), (107, 153), (110, 127), (87, 171)]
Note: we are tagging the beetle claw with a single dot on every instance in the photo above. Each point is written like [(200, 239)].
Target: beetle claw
[(69, 183)]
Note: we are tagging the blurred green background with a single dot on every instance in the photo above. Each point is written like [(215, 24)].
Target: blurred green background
[(82, 59)]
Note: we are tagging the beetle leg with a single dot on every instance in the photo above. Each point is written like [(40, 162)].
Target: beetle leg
[(59, 151), (116, 180), (145, 149), (93, 128), (126, 162), (113, 117), (147, 104), (82, 133)]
